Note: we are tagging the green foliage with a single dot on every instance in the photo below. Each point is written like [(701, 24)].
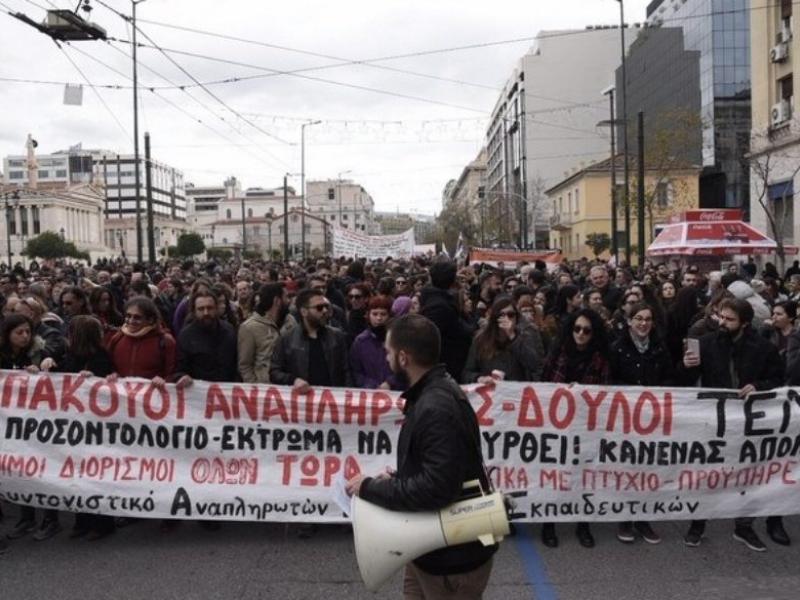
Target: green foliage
[(598, 242), (49, 245), (251, 255), (219, 253), (172, 251), (190, 244)]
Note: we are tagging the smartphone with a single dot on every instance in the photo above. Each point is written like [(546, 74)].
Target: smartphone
[(693, 344)]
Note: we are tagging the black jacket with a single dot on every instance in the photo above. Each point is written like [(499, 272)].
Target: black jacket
[(438, 449), (793, 359), (290, 357), (54, 342), (440, 307), (98, 363), (207, 354), (755, 359), (521, 360), (630, 367)]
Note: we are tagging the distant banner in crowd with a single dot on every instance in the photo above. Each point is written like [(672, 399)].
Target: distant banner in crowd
[(512, 258), (262, 453), (358, 245)]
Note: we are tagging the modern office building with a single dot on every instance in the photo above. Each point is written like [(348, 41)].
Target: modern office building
[(545, 122), (720, 31)]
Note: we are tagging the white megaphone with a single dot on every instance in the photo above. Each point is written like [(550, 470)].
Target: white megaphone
[(386, 540)]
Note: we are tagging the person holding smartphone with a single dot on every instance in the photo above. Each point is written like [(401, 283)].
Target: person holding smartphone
[(733, 357)]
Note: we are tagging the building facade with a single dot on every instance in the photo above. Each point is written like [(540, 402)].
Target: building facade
[(775, 136), (202, 201), (720, 31), (545, 122), (582, 204), (114, 173), (342, 202)]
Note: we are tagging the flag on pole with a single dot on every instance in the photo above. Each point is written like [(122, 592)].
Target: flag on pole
[(460, 250)]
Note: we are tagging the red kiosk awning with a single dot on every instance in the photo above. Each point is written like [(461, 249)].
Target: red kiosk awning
[(712, 233)]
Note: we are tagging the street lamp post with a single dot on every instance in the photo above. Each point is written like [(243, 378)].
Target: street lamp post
[(626, 191), (139, 245), (6, 197), (339, 193), (612, 123), (303, 185)]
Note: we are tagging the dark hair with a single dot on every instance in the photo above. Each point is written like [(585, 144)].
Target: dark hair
[(520, 291), (790, 307), (565, 294), (418, 337), (85, 336), (304, 297), (80, 296), (266, 297), (537, 277), (202, 294), (10, 323), (599, 340), (356, 270), (146, 306), (742, 308), (490, 339), (443, 273), (140, 286), (96, 296)]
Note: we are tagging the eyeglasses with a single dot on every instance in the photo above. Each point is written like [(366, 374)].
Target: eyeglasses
[(320, 307), (133, 317), (584, 330)]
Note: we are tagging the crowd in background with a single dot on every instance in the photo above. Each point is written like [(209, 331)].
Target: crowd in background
[(323, 323)]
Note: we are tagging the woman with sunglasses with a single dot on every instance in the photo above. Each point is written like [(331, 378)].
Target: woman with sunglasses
[(358, 295), (579, 356), (640, 357), (503, 349)]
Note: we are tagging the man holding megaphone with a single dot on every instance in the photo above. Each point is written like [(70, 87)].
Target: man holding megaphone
[(438, 450)]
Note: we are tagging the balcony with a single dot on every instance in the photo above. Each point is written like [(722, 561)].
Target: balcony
[(560, 221)]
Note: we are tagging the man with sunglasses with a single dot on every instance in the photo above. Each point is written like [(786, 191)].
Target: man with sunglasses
[(314, 354)]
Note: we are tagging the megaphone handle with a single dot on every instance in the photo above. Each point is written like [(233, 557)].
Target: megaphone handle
[(473, 483)]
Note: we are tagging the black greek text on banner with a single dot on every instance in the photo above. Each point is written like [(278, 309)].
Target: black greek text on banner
[(264, 453)]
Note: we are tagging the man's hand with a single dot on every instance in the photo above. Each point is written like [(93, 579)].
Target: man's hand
[(353, 486), (184, 381), (385, 386), (301, 386), (47, 364), (486, 380), (690, 359), (748, 389), (388, 473), (158, 382)]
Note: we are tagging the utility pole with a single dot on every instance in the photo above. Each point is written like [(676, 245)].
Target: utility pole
[(626, 191), (139, 254), (303, 185), (148, 181), (285, 218), (640, 191)]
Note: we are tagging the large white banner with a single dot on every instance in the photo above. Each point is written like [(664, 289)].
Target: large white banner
[(264, 453), (358, 245)]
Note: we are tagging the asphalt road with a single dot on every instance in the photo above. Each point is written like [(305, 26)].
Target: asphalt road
[(244, 561)]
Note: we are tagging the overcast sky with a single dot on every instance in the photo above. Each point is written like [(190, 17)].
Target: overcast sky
[(402, 148)]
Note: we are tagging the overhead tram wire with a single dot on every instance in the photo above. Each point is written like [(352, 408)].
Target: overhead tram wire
[(183, 110), (96, 91), (200, 84)]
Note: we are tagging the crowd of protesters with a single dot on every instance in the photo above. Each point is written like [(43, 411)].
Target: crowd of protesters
[(323, 323)]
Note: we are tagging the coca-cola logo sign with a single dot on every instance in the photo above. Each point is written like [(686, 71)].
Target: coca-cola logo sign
[(716, 215)]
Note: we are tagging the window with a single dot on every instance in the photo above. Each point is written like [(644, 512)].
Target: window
[(16, 174), (23, 217), (224, 240), (249, 212), (663, 194), (61, 173), (331, 194), (36, 225), (333, 217), (782, 197), (786, 9), (280, 229), (577, 206), (344, 217), (12, 221), (569, 202), (228, 213)]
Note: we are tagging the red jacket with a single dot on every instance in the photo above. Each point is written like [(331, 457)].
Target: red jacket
[(149, 356)]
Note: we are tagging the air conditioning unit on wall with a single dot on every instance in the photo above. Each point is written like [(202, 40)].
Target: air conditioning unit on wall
[(781, 112), (779, 53)]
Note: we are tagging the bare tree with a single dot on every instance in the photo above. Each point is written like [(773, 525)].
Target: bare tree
[(770, 166)]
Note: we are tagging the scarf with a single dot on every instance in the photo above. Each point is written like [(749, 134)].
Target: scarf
[(139, 334), (641, 345)]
